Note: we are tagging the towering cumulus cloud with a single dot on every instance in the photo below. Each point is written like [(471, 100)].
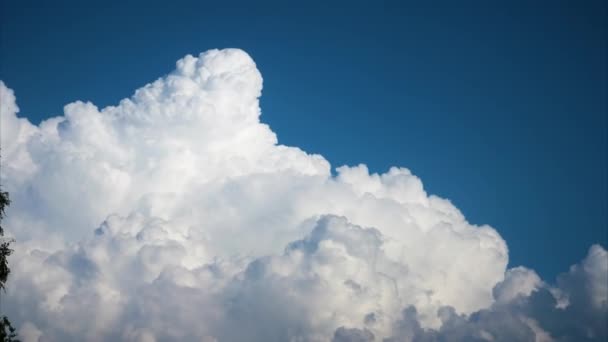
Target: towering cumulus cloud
[(176, 215)]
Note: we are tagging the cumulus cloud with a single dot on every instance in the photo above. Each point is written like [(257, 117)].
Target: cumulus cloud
[(532, 314), (177, 215)]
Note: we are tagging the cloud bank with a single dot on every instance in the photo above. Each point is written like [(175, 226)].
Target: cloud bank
[(177, 215)]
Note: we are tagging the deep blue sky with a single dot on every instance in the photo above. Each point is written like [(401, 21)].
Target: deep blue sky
[(499, 107)]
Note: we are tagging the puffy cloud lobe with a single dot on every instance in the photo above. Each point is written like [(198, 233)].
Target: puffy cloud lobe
[(176, 215), (519, 281), (530, 315)]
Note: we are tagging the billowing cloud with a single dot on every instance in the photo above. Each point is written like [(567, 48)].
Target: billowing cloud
[(176, 215), (535, 313)]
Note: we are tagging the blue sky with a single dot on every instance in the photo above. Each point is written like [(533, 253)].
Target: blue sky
[(499, 107)]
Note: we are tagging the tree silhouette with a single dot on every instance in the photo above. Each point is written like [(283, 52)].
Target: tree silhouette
[(5, 249), (7, 332)]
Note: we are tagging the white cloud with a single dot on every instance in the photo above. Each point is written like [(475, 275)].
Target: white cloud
[(531, 314), (176, 215), (519, 281)]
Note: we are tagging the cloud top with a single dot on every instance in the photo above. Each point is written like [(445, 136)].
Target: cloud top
[(177, 215)]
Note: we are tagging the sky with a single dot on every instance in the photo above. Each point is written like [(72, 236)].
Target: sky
[(500, 108)]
